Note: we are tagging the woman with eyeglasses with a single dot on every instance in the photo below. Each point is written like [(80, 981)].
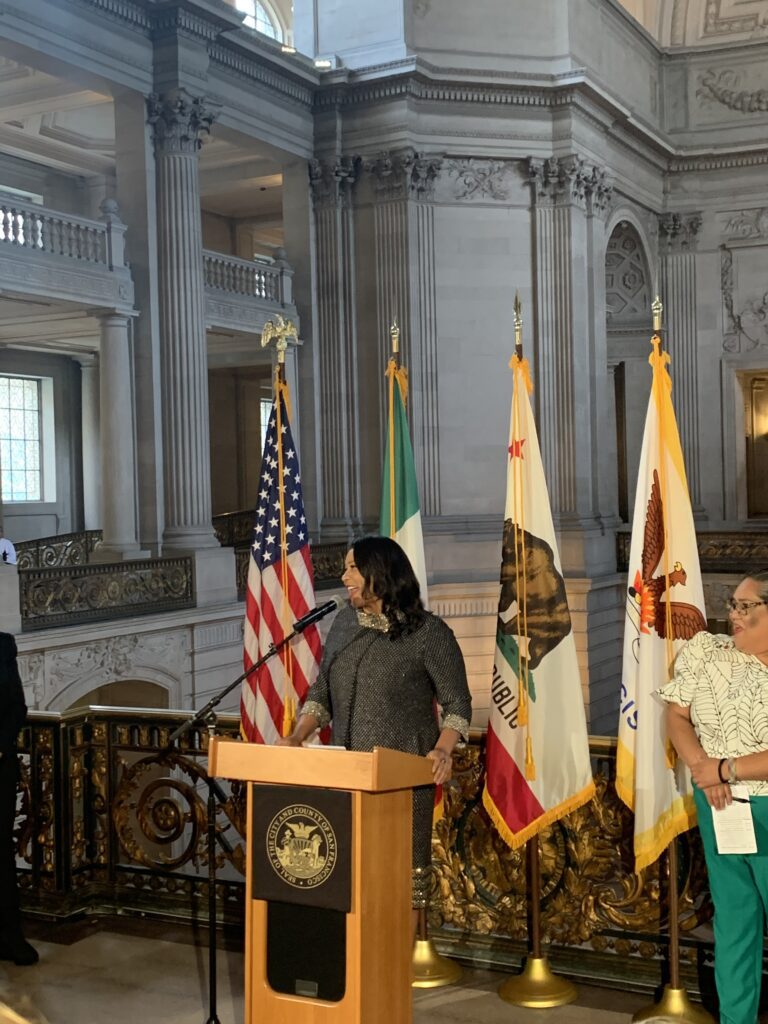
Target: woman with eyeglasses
[(717, 720)]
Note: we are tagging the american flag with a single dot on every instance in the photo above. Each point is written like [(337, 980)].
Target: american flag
[(280, 588)]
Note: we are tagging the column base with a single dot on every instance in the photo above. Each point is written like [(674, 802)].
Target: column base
[(178, 540), (10, 606), (118, 553)]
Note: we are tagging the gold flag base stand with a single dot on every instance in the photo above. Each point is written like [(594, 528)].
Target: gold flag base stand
[(537, 987), (430, 969), (675, 1005)]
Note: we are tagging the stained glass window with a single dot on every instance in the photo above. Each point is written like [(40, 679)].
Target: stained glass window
[(260, 18), (20, 456)]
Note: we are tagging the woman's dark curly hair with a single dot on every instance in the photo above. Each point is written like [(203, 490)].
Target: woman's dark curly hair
[(389, 576), (760, 577)]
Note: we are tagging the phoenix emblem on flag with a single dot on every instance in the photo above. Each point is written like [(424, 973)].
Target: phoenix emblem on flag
[(647, 591)]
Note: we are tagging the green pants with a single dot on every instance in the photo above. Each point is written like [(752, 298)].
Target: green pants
[(739, 887)]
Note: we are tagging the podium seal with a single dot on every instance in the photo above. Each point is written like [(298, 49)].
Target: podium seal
[(301, 846)]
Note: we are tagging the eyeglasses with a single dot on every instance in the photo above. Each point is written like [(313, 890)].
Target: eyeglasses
[(742, 607)]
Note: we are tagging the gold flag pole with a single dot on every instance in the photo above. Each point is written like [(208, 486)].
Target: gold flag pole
[(537, 987), (280, 330), (674, 1003), (428, 968)]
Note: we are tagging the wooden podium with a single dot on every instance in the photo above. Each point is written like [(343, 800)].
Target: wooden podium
[(305, 962)]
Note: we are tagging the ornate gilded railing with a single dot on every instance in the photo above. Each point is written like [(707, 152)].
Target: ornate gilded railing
[(70, 594), (724, 551), (64, 549), (110, 818)]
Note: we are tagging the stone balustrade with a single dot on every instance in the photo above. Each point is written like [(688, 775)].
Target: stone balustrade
[(30, 226), (256, 278)]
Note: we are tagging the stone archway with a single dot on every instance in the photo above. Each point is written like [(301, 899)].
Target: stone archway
[(124, 693), (628, 314)]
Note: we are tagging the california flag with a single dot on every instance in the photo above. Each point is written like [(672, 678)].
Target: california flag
[(537, 758), (664, 607)]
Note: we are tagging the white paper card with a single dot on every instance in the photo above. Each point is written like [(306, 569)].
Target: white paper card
[(734, 828)]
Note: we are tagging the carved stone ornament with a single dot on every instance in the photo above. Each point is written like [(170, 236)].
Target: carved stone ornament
[(570, 180), (748, 224), (332, 182), (678, 231), (399, 175), (179, 120), (746, 328), (721, 87), (480, 179)]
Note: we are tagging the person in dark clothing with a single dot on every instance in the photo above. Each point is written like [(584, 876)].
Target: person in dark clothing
[(386, 662), (13, 712)]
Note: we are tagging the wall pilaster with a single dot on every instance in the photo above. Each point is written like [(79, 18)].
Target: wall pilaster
[(569, 200), (401, 189), (332, 183), (678, 235)]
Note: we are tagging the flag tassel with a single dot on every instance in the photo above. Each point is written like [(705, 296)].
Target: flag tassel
[(530, 764)]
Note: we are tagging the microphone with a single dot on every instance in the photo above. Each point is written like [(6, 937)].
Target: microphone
[(318, 613)]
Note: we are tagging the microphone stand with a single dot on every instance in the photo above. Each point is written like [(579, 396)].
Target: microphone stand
[(207, 715)]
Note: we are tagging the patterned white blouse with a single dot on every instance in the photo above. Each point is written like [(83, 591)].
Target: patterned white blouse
[(727, 692)]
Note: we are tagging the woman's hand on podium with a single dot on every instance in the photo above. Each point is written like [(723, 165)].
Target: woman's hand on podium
[(442, 765), (288, 741)]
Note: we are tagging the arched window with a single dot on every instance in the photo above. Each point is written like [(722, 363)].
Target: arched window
[(260, 17)]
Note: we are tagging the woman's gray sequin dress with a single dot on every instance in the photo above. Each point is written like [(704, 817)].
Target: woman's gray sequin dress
[(377, 691)]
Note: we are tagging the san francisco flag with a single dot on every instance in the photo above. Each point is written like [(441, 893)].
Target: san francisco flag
[(664, 607), (537, 754), (400, 511)]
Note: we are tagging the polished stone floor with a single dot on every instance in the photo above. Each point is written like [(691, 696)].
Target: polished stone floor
[(140, 973)]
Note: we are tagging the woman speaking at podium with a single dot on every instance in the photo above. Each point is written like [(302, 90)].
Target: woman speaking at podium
[(386, 662)]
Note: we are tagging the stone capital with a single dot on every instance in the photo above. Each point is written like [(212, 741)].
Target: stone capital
[(569, 181), (404, 174), (332, 181), (678, 232), (179, 120)]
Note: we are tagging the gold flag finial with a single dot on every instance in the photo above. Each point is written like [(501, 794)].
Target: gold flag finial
[(278, 330), (656, 309), (518, 326), (394, 334)]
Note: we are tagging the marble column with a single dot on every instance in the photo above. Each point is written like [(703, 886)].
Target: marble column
[(677, 237), (118, 470), (91, 443), (179, 120), (402, 187), (332, 183)]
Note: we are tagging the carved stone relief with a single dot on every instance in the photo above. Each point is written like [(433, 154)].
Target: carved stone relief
[(481, 179), (745, 319), (723, 88), (120, 657), (748, 224)]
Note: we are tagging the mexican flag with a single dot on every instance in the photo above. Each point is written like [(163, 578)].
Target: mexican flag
[(537, 754), (400, 513), (664, 607)]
